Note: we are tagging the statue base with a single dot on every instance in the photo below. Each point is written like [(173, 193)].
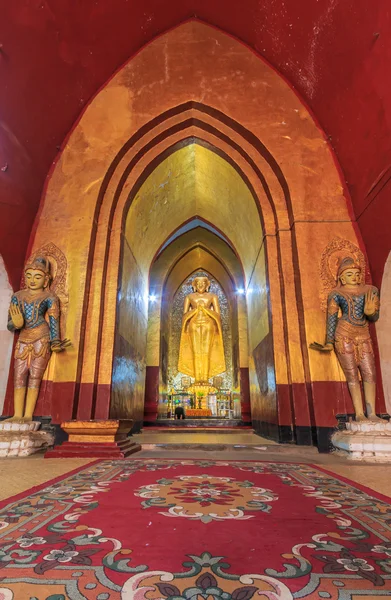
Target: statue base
[(364, 441), (22, 439), (96, 439)]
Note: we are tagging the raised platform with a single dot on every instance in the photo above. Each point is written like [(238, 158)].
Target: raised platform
[(216, 430), (112, 450), (364, 441), (96, 439), (189, 423)]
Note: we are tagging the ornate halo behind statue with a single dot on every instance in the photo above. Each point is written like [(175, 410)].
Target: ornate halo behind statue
[(58, 274), (331, 258)]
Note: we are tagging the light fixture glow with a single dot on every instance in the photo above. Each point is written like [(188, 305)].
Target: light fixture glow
[(240, 291), (152, 298)]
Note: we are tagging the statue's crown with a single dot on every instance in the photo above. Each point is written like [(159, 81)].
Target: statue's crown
[(347, 263), (39, 263)]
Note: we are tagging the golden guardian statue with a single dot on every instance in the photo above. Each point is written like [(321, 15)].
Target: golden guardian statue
[(201, 351), (35, 313)]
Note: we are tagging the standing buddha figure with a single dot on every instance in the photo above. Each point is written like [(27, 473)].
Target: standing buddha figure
[(35, 312), (201, 352), (351, 305)]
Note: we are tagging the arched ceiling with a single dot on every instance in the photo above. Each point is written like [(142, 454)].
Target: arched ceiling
[(197, 259), (198, 238), (193, 181), (193, 224), (55, 55)]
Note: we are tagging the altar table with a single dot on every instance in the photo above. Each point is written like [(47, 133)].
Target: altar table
[(198, 412)]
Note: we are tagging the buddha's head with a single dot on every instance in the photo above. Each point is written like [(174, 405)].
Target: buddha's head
[(201, 284), (37, 274), (349, 272)]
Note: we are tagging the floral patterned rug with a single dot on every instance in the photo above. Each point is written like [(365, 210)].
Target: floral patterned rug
[(145, 529)]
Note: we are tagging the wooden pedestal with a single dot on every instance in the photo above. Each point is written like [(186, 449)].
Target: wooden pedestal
[(96, 439)]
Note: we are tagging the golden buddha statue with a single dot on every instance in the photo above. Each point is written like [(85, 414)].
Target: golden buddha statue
[(35, 312), (351, 305), (201, 351)]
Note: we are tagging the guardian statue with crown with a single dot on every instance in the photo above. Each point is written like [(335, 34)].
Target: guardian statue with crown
[(35, 313), (351, 306)]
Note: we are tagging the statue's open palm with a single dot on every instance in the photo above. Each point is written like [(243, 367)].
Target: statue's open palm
[(370, 303), (16, 316)]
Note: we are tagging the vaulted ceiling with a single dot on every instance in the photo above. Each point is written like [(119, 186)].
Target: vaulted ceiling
[(194, 182), (56, 54)]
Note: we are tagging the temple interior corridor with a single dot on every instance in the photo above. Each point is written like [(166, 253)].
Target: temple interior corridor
[(195, 300)]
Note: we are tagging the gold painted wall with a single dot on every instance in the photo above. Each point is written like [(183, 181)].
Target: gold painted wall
[(257, 299), (261, 361), (130, 343)]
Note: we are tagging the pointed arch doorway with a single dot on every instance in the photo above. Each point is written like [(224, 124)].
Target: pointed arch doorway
[(194, 213), (234, 106)]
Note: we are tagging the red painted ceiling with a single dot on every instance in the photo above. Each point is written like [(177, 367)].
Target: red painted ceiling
[(55, 55)]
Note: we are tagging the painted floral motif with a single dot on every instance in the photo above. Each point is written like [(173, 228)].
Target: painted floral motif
[(17, 512), (27, 541), (61, 556), (355, 564), (205, 579), (383, 549), (216, 498), (352, 564)]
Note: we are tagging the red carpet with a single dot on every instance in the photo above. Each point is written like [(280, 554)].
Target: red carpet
[(194, 530)]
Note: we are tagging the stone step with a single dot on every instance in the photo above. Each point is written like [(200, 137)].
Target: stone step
[(263, 447), (120, 449)]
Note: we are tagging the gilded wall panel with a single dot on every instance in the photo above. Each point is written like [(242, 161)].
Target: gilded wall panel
[(130, 342), (257, 302)]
